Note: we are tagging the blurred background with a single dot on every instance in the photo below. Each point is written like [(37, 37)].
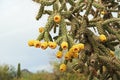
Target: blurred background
[(17, 26)]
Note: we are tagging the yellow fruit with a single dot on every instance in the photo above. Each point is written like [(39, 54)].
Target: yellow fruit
[(41, 29), (104, 69), (67, 56), (59, 54), (52, 45), (75, 55), (71, 52), (103, 12), (64, 45), (31, 42), (63, 67), (44, 45), (57, 18), (81, 46), (37, 44), (112, 53), (71, 49), (75, 48), (102, 38)]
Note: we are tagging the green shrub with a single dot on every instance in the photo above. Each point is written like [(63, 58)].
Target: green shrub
[(7, 72)]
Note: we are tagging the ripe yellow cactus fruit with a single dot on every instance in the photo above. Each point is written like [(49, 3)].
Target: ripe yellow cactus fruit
[(75, 48), (63, 67), (59, 54), (37, 44), (31, 42), (57, 18), (67, 56), (71, 52), (41, 29), (81, 46), (103, 12), (104, 69), (64, 45), (75, 55), (52, 45), (102, 38), (44, 45), (112, 53)]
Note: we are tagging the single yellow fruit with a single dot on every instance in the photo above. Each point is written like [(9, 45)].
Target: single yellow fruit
[(64, 45), (71, 49), (41, 29), (104, 69), (52, 45), (71, 52), (102, 38), (75, 55), (31, 42), (44, 45), (37, 44), (67, 56), (63, 67), (75, 48), (81, 46), (59, 54), (57, 18), (112, 53), (103, 12)]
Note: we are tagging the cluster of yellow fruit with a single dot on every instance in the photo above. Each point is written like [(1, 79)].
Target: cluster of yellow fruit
[(42, 45), (73, 52)]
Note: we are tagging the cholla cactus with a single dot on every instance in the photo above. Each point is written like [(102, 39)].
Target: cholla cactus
[(94, 33)]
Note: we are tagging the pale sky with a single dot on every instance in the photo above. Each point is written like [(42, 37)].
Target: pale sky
[(17, 26)]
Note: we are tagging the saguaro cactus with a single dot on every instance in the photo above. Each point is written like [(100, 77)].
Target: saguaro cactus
[(94, 32), (19, 71)]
